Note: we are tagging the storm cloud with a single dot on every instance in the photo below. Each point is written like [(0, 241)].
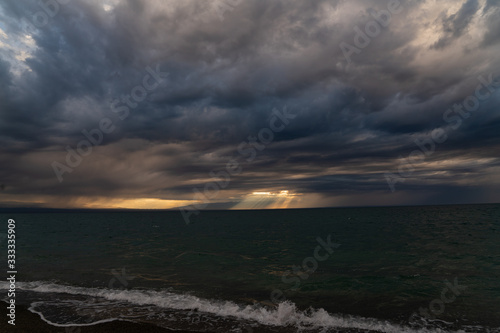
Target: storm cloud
[(173, 91)]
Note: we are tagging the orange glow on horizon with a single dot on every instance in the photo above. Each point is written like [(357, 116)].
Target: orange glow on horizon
[(142, 203)]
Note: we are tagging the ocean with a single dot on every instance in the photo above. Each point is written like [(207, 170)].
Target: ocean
[(374, 269)]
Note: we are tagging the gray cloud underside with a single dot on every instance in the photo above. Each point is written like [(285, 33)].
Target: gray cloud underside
[(226, 73)]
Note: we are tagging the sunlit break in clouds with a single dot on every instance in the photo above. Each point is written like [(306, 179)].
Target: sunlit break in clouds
[(248, 104), (265, 200)]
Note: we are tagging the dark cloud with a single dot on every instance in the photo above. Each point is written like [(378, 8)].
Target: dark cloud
[(491, 12), (227, 72), (455, 25)]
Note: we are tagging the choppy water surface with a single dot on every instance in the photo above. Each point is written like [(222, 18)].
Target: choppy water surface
[(399, 269)]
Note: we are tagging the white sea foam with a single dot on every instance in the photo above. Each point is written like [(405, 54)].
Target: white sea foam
[(285, 314)]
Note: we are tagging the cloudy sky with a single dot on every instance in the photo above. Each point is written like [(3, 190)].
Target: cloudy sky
[(249, 104)]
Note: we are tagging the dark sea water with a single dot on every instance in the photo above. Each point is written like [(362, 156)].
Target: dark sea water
[(396, 269)]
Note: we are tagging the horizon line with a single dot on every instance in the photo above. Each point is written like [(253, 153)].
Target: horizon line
[(32, 209)]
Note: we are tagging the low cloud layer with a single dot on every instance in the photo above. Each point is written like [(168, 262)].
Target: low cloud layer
[(392, 103)]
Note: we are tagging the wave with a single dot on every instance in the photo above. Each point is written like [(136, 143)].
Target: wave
[(286, 314)]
